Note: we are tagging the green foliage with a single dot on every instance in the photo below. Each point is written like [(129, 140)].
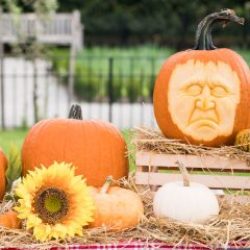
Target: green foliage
[(10, 137), (45, 6), (85, 86), (128, 136), (14, 169), (168, 22), (132, 72)]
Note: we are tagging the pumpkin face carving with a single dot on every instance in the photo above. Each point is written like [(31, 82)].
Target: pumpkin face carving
[(201, 95), (203, 103)]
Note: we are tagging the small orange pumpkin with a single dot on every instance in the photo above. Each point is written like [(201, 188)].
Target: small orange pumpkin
[(116, 208), (10, 220), (96, 148), (3, 167), (202, 95)]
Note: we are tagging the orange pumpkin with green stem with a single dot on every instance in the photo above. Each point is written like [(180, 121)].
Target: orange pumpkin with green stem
[(3, 167), (201, 95), (116, 208), (96, 148)]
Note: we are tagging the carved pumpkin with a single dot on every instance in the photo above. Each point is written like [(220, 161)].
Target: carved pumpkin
[(116, 208), (201, 95), (96, 148), (3, 167)]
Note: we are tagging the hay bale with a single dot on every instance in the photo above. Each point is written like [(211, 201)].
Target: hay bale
[(231, 227)]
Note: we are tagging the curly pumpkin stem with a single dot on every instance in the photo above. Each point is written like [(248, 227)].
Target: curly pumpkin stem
[(75, 112), (106, 185), (203, 39), (184, 173)]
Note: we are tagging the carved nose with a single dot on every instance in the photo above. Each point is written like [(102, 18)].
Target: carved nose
[(205, 101), (205, 104)]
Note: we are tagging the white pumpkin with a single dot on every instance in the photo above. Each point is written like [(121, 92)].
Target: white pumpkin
[(185, 201)]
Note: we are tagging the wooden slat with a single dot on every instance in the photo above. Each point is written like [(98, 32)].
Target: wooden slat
[(190, 161), (51, 31), (212, 181)]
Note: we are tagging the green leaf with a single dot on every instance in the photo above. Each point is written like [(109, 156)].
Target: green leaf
[(14, 169)]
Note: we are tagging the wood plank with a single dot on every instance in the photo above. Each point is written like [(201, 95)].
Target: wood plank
[(212, 181), (190, 161)]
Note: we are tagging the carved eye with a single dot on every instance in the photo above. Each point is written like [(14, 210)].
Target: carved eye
[(219, 91), (193, 90)]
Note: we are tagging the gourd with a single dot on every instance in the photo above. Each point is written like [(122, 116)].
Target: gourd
[(242, 140), (116, 208), (96, 148), (185, 201), (10, 220), (3, 167), (202, 95)]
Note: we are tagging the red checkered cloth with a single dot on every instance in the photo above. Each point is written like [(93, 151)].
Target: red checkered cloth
[(132, 246), (137, 246)]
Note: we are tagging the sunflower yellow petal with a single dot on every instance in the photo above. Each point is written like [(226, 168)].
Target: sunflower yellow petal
[(33, 221), (80, 202), (41, 233)]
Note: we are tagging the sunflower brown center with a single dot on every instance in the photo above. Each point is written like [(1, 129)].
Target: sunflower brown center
[(51, 204)]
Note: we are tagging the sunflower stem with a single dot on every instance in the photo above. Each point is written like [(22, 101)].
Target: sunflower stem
[(106, 185), (184, 173)]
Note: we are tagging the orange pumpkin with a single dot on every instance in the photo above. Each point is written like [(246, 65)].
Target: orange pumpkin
[(10, 220), (96, 148), (116, 208), (202, 95), (3, 167)]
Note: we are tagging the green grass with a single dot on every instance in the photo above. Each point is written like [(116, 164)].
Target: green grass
[(10, 137), (128, 136)]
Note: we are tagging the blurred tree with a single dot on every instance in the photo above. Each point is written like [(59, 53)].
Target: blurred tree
[(170, 22), (27, 45)]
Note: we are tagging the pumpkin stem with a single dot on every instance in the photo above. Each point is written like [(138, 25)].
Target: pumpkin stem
[(184, 173), (106, 185), (75, 112), (203, 38)]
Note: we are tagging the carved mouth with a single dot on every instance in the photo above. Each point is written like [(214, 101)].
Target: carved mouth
[(209, 118), (204, 123), (205, 120)]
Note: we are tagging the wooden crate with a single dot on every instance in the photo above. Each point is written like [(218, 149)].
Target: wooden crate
[(215, 172)]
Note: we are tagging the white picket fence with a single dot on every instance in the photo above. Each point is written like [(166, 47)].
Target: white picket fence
[(53, 99)]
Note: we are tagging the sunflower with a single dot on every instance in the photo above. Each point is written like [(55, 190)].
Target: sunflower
[(55, 203)]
